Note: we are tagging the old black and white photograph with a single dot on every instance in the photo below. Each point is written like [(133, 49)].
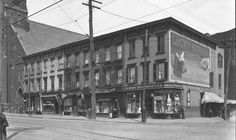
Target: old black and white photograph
[(117, 70)]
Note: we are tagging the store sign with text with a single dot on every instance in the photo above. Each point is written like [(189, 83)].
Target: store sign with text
[(152, 86)]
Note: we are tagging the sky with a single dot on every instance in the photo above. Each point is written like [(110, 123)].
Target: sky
[(206, 16)]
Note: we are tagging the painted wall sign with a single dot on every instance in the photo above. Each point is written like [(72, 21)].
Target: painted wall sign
[(190, 61)]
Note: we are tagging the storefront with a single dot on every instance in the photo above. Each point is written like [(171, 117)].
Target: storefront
[(166, 103), (109, 101), (162, 100), (34, 102), (133, 104), (75, 104), (49, 104)]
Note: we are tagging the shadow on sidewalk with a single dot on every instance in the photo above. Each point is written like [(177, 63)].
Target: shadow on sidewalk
[(19, 130)]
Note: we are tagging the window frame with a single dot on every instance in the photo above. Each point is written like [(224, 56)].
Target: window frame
[(107, 54), (119, 51), (132, 48), (160, 46)]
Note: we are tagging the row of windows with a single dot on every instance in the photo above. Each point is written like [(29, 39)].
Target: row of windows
[(70, 61), (212, 80), (159, 72), (160, 46)]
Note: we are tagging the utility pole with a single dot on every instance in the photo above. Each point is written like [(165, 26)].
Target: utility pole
[(29, 92), (91, 43), (227, 84), (3, 54), (144, 117), (1, 51)]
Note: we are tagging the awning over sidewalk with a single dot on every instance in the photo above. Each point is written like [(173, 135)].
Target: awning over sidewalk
[(231, 101), (210, 97)]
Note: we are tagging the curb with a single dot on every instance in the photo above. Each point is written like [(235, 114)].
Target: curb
[(195, 120)]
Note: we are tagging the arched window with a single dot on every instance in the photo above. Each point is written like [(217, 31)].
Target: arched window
[(18, 19), (12, 16)]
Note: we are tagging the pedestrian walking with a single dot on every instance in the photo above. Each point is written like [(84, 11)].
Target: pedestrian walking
[(182, 112), (3, 125)]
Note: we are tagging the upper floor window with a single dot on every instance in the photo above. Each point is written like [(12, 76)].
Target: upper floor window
[(32, 68), (147, 71), (211, 79), (38, 84), (131, 74), (77, 60), (108, 54), (119, 76), (97, 57), (38, 67), (86, 58), (220, 60), (59, 81), (108, 77), (145, 48), (45, 83), (69, 61), (12, 17), (77, 79), (160, 43), (52, 82), (96, 78), (160, 71), (45, 64), (60, 61), (119, 51), (219, 81), (52, 64), (26, 85), (132, 48), (32, 85), (86, 79)]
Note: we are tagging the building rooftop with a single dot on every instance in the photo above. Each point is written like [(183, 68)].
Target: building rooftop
[(41, 37), (224, 36)]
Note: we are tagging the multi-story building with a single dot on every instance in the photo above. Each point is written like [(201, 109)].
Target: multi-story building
[(182, 65), (22, 37), (227, 41)]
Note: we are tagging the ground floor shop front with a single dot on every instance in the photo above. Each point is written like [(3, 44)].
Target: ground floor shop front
[(162, 100)]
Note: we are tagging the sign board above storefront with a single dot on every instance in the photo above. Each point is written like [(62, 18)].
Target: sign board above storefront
[(152, 86)]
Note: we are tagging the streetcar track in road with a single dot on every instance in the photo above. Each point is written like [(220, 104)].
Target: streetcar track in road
[(77, 129)]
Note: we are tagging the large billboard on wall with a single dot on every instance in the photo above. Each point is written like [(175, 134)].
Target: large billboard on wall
[(190, 61)]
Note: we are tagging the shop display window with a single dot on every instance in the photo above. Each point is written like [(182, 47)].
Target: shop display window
[(166, 103), (81, 105), (103, 106), (68, 105), (133, 103)]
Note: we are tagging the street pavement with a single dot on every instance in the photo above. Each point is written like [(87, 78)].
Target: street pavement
[(56, 127)]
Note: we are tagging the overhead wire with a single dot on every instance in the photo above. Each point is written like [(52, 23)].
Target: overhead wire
[(96, 9), (33, 14), (154, 5), (144, 16), (122, 16), (69, 22), (74, 21), (65, 3)]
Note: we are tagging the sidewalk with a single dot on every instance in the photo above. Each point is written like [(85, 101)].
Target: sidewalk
[(190, 120)]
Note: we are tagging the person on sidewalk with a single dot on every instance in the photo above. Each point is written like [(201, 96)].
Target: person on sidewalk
[(3, 125), (182, 112)]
